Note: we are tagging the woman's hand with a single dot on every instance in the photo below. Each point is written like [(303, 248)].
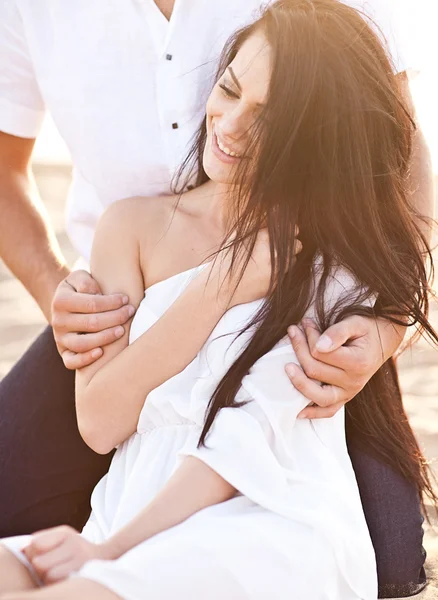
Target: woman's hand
[(58, 552), (84, 320), (336, 365)]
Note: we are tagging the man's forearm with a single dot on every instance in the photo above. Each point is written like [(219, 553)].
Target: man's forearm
[(28, 245), (422, 182)]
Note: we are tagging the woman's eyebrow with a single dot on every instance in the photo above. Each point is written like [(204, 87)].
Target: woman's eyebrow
[(236, 81)]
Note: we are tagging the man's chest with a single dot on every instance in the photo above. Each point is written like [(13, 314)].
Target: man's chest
[(91, 53), (120, 69)]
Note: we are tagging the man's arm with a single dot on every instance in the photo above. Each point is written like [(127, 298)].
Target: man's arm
[(421, 176), (347, 355), (28, 244)]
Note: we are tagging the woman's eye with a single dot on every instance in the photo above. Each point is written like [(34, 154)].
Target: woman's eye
[(229, 93)]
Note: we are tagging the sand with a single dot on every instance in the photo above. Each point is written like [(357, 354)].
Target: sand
[(21, 321)]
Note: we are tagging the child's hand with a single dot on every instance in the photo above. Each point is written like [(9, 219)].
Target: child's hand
[(55, 553)]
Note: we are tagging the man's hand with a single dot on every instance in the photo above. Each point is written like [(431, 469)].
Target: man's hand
[(84, 320), (56, 553), (336, 365)]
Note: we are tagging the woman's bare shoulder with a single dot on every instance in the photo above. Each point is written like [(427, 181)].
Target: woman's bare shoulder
[(141, 212)]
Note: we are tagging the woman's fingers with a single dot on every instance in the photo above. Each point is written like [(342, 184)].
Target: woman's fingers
[(48, 539), (44, 563), (60, 572)]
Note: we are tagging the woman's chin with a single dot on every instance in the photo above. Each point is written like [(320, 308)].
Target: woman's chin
[(218, 171)]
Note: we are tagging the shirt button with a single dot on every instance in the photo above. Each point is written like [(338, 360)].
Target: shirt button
[(175, 125), (169, 56)]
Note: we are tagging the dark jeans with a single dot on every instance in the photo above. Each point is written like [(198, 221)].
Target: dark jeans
[(47, 472)]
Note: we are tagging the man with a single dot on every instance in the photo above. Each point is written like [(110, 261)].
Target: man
[(126, 83)]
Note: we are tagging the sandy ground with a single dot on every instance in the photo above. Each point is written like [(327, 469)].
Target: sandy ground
[(21, 321)]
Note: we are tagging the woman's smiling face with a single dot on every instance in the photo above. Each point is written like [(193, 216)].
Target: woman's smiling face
[(233, 107)]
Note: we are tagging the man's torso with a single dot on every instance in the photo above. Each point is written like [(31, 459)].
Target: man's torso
[(127, 90)]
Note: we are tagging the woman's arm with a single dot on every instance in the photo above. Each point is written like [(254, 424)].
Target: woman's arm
[(57, 552), (193, 487), (111, 392), (240, 454)]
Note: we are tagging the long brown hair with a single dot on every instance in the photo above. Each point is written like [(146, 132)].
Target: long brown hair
[(333, 151)]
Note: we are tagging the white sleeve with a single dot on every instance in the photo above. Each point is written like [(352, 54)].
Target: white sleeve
[(21, 105), (390, 18), (264, 451), (296, 468), (242, 442), (261, 447)]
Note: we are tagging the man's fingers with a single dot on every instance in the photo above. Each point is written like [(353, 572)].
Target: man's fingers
[(316, 412), (324, 396), (349, 359), (80, 343), (313, 368), (298, 247), (82, 282), (93, 323), (73, 361), (337, 335), (74, 302)]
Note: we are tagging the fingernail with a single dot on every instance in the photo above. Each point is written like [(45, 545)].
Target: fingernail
[(292, 331), (131, 311), (291, 370), (96, 353), (119, 331), (302, 416), (324, 344), (125, 299)]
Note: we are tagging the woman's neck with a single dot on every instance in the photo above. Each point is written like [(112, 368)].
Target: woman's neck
[(222, 205)]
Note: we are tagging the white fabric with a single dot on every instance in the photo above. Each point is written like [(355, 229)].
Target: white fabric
[(100, 68), (296, 531)]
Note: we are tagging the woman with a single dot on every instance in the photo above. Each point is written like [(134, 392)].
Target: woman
[(217, 490)]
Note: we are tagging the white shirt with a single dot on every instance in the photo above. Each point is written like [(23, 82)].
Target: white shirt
[(126, 88)]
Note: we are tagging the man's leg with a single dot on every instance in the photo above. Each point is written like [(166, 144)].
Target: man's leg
[(47, 472), (392, 510)]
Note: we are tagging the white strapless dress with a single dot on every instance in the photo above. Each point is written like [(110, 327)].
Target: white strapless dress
[(296, 529)]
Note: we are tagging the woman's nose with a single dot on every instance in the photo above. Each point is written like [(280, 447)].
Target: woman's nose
[(235, 124)]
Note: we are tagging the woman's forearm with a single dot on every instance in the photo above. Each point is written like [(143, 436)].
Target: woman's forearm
[(193, 487), (109, 402)]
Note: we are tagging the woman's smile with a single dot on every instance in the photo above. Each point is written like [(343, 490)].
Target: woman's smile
[(222, 151)]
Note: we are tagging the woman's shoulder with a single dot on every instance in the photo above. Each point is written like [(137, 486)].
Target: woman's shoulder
[(139, 213)]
